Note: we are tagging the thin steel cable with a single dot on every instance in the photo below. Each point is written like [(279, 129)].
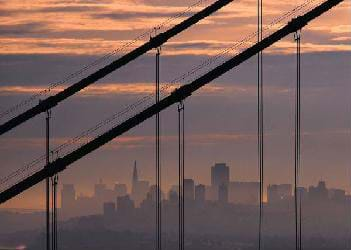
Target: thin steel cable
[(133, 106), (181, 169), (107, 56), (181, 165), (98, 61), (260, 117), (145, 99), (297, 141), (183, 177), (158, 167)]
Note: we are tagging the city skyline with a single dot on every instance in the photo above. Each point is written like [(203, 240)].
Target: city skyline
[(198, 125), (212, 133), (237, 192)]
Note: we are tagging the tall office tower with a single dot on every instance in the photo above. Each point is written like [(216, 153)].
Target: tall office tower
[(189, 188), (223, 193), (135, 175), (139, 187), (219, 175), (200, 193), (68, 197)]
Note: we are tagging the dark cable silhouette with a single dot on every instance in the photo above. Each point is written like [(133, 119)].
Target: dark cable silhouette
[(47, 120), (297, 142), (260, 120), (144, 100), (154, 42), (176, 96), (181, 168), (97, 61), (158, 164)]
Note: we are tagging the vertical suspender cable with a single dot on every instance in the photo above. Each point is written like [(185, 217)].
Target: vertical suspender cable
[(52, 214), (298, 200), (158, 168), (299, 141), (181, 158), (54, 181), (260, 126), (179, 181), (48, 115), (183, 189)]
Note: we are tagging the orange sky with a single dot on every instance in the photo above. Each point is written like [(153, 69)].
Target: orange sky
[(92, 28), (97, 27)]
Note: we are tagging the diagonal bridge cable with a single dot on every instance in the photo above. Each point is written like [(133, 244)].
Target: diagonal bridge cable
[(175, 97), (98, 61), (154, 42), (129, 110)]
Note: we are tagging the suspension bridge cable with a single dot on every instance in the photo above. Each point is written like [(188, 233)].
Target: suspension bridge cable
[(142, 101), (132, 107), (181, 162), (297, 141), (98, 61), (176, 96), (158, 165), (260, 128), (155, 42)]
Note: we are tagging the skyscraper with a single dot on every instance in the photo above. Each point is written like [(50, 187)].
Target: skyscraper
[(139, 187), (200, 193), (219, 175), (189, 188), (223, 193), (135, 175)]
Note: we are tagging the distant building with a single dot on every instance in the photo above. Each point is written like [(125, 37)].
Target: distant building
[(68, 197), (173, 197), (120, 190), (88, 205), (152, 193), (102, 193), (223, 193), (337, 195), (125, 204), (246, 193), (139, 188), (211, 193), (278, 193), (318, 193), (109, 209), (99, 189), (200, 193), (189, 189), (302, 193), (219, 174)]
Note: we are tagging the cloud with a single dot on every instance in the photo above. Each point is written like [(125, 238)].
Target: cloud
[(22, 29), (92, 27)]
